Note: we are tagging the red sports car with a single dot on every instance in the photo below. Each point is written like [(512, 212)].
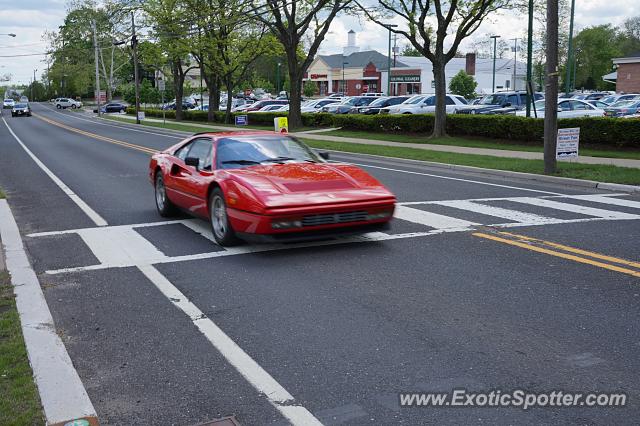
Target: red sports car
[(266, 186)]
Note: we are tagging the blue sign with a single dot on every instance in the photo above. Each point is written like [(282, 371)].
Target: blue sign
[(242, 120)]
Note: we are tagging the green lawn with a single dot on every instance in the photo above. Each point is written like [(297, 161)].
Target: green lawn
[(603, 151), (596, 172), (19, 400)]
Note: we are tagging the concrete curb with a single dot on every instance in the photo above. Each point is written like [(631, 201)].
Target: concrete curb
[(582, 183), (63, 396)]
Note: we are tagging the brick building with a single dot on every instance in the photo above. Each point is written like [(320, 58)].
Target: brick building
[(628, 73)]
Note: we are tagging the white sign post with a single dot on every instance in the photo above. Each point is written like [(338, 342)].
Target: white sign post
[(567, 143)]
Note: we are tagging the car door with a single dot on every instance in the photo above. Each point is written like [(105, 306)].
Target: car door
[(187, 183), (564, 109), (581, 109)]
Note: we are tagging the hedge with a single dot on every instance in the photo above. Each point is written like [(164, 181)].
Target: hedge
[(621, 132)]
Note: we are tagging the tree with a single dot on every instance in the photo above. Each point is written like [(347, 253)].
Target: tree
[(430, 26), (484, 47), (630, 37), (595, 47), (309, 88), (463, 84), (408, 50), (293, 23)]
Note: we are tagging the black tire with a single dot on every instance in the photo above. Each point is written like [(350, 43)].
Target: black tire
[(73, 106), (59, 106), (164, 205), (221, 229)]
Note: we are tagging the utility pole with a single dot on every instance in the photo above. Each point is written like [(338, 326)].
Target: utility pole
[(515, 61), (95, 54), (551, 89), (530, 60), (33, 84), (134, 46), (493, 84), (389, 26), (567, 82)]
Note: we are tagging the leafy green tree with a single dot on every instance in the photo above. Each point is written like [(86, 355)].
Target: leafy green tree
[(309, 88), (463, 84), (595, 47), (409, 50)]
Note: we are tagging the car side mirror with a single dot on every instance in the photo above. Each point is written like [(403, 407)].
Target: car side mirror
[(324, 155), (192, 161)]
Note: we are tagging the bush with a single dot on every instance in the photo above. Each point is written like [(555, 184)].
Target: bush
[(593, 130)]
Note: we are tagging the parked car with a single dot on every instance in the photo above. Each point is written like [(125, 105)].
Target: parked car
[(273, 108), (504, 102), (384, 102), (337, 95), (261, 104), (568, 108), (350, 105), (112, 107), (21, 108), (425, 104), (617, 98), (63, 103), (598, 103), (265, 187), (374, 94), (8, 103), (172, 105), (316, 106), (621, 108)]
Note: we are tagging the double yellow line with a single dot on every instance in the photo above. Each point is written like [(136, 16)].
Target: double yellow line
[(565, 252), (98, 137)]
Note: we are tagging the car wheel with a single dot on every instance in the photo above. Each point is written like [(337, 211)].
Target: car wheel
[(59, 106), (220, 226), (73, 106), (165, 207)]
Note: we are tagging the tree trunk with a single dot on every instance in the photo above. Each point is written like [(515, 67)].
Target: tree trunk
[(213, 86), (178, 85), (295, 116), (551, 90), (440, 122)]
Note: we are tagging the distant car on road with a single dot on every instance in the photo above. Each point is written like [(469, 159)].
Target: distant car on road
[(24, 99), (63, 103), (622, 108), (112, 107), (20, 109), (8, 103), (266, 186), (568, 108)]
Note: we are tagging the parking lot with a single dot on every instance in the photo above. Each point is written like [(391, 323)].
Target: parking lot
[(482, 283)]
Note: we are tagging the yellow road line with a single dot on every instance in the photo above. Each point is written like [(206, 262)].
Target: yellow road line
[(559, 254), (99, 137), (576, 250)]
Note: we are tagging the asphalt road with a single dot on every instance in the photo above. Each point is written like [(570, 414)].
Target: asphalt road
[(343, 326)]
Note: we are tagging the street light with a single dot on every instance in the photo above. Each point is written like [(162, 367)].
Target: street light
[(493, 86), (343, 64), (515, 60), (278, 79), (389, 26)]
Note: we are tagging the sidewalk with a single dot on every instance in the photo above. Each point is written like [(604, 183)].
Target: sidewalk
[(316, 135)]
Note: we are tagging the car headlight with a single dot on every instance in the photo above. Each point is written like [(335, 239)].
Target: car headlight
[(286, 224)]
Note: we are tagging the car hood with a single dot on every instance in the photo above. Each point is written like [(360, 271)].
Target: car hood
[(306, 184)]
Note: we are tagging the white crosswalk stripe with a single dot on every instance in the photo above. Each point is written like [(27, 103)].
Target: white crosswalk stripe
[(575, 208), (432, 220), (515, 215), (607, 200)]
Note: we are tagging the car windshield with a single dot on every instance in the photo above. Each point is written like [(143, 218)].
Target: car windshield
[(239, 152), (539, 105), (20, 105), (622, 104), (378, 102), (8, 100), (492, 100), (609, 99), (414, 100)]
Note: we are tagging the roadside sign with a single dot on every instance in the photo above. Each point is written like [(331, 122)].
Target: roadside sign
[(141, 115), (281, 124), (161, 85), (102, 96), (242, 120), (567, 143)]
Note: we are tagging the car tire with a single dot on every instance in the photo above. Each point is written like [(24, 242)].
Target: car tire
[(59, 106), (165, 207), (73, 106), (221, 229)]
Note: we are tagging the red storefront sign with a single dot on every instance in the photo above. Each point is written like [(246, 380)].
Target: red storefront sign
[(316, 76)]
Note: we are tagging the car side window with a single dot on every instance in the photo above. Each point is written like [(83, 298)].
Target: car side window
[(430, 101), (513, 100), (578, 106), (201, 148), (449, 101), (181, 153), (564, 106)]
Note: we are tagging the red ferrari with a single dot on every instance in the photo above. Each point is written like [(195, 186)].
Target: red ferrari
[(266, 186)]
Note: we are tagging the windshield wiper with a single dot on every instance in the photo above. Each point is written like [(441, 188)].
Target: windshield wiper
[(277, 159), (240, 162)]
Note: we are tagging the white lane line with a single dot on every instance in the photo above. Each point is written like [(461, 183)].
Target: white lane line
[(78, 230), (262, 381), (508, 214), (608, 200), (432, 220), (62, 393), (93, 215), (457, 179), (120, 246), (574, 208)]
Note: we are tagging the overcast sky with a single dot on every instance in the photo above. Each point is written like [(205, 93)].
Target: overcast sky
[(30, 18)]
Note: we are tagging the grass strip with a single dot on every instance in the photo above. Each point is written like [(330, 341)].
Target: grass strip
[(596, 172), (19, 399), (507, 145)]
